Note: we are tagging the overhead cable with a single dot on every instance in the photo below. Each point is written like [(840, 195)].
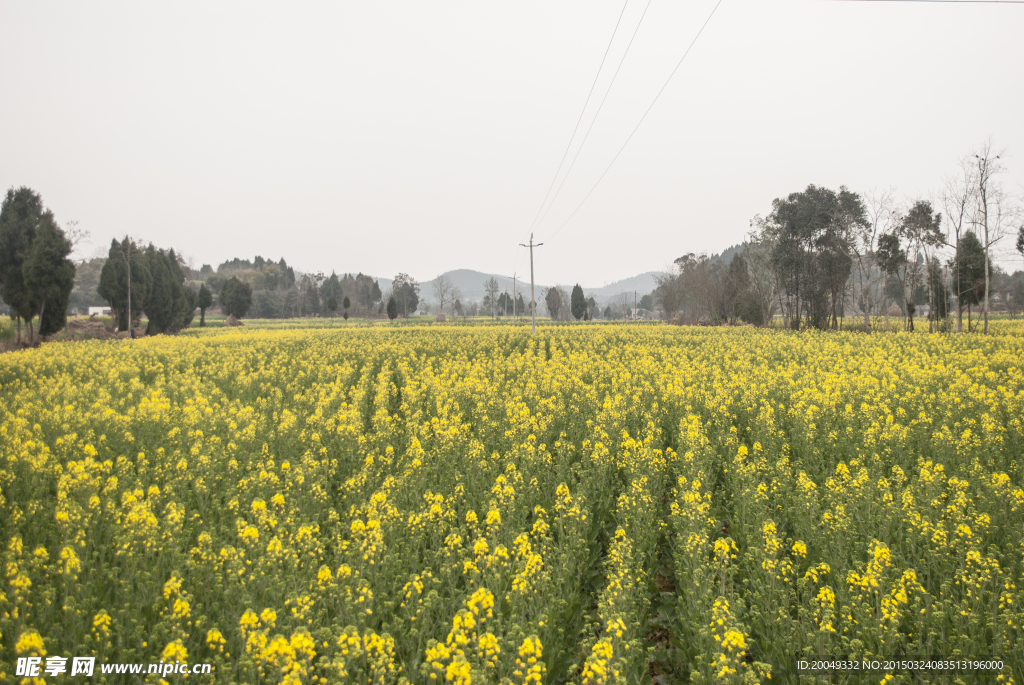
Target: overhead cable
[(648, 111), (594, 120)]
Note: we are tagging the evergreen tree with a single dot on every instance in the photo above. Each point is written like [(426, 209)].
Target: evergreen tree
[(969, 273), (578, 302), (113, 286), (236, 297), (392, 308), (19, 215), (169, 304), (50, 276), (36, 277), (204, 300)]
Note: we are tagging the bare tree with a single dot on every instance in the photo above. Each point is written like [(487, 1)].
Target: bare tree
[(76, 236), (881, 210), (762, 276), (957, 197), (491, 289), (445, 291), (991, 210)]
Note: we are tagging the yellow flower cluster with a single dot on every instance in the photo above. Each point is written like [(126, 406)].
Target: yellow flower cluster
[(594, 504)]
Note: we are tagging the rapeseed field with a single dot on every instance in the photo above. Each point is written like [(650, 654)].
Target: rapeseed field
[(436, 504)]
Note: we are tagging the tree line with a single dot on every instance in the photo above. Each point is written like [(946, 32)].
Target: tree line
[(821, 255)]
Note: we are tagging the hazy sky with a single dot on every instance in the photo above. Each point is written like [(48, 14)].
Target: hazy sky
[(422, 136)]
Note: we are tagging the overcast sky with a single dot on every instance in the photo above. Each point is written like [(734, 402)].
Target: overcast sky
[(422, 136)]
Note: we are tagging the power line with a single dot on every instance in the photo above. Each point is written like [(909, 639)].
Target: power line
[(594, 120), (574, 130), (648, 111), (580, 119), (947, 2)]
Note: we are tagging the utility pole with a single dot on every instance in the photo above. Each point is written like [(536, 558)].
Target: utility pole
[(533, 301)]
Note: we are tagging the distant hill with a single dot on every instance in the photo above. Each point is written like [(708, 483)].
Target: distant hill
[(641, 284), (471, 284)]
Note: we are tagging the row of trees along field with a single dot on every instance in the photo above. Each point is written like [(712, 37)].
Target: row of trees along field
[(150, 281), (821, 255), (277, 291), (38, 277)]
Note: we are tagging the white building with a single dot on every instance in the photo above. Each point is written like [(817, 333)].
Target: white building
[(99, 311)]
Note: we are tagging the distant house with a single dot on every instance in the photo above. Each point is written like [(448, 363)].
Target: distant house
[(99, 311)]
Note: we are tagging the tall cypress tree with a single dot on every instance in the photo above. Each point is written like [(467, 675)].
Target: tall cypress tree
[(36, 277), (577, 302), (204, 300), (50, 276), (123, 257)]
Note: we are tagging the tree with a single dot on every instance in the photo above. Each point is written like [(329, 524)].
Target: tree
[(331, 287), (445, 291), (505, 304), (969, 275), (50, 276), (991, 211), (555, 304), (938, 293), (236, 297), (1020, 240), (332, 305), (124, 259), (34, 269), (392, 308), (169, 303), (407, 293), (204, 300), (1015, 303), (761, 277), (491, 289), (879, 217), (19, 215), (892, 259), (811, 234), (578, 302), (921, 228)]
